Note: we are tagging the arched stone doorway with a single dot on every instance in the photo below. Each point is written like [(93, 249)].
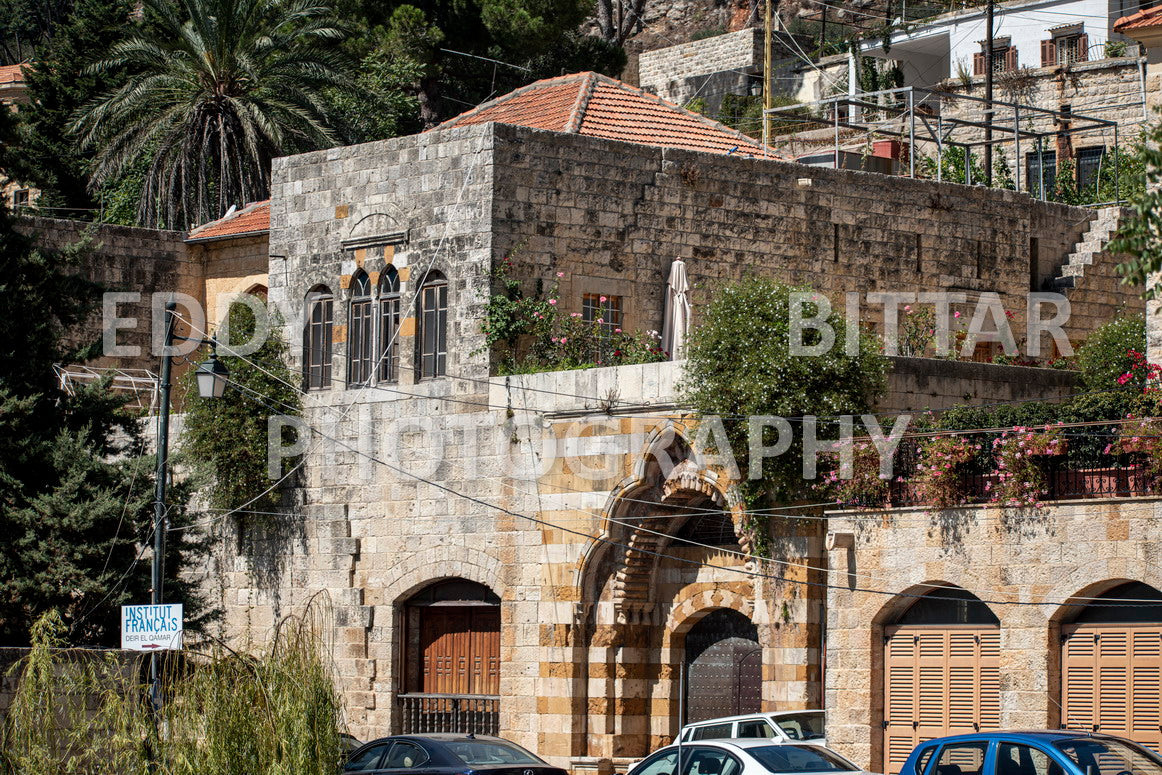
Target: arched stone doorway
[(723, 667), (1111, 664), (451, 659), (942, 671)]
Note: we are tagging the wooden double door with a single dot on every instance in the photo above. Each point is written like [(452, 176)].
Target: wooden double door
[(460, 650)]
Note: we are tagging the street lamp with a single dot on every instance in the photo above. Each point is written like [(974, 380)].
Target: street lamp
[(211, 376)]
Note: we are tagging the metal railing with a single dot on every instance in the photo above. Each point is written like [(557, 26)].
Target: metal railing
[(461, 713)]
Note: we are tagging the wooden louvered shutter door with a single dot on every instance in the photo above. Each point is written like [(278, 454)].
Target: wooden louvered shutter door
[(978, 63), (939, 681), (1048, 53), (1110, 677), (900, 665), (1083, 48), (1011, 60)]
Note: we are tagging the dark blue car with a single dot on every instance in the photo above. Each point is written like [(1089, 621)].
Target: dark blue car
[(446, 754), (1059, 752)]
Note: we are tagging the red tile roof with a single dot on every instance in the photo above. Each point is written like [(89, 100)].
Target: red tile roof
[(12, 73), (598, 106), (1150, 17), (251, 220)]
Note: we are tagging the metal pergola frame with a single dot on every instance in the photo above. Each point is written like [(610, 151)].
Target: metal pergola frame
[(902, 103)]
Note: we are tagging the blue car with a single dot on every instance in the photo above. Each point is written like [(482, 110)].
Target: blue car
[(1057, 752)]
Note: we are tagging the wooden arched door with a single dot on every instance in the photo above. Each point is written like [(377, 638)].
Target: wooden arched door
[(723, 667)]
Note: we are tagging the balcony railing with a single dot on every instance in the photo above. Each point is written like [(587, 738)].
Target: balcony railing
[(459, 713)]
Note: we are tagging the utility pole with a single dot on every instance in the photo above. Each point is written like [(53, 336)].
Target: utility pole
[(768, 97), (988, 96)]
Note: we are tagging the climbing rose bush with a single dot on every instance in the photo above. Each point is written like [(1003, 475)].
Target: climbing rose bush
[(939, 479)]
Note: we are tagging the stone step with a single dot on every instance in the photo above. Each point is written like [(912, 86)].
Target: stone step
[(1073, 270)]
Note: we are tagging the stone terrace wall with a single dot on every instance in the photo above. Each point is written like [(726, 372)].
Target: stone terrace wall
[(122, 258), (614, 222)]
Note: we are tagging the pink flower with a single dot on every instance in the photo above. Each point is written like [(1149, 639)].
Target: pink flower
[(552, 301), (600, 320), (956, 314), (617, 330), (574, 314), (908, 308), (603, 299), (1124, 378), (560, 274), (564, 339)]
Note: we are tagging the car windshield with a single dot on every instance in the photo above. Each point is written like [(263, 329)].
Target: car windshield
[(794, 758), (1109, 757), (802, 726), (483, 753)]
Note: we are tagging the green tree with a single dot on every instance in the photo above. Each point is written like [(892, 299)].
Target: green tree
[(530, 39), (740, 364), (1140, 235), (58, 85), (218, 89), (76, 481), (227, 437)]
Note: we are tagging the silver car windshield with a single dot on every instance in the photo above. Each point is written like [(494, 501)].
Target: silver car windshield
[(1109, 757), (484, 753), (802, 726), (793, 758)]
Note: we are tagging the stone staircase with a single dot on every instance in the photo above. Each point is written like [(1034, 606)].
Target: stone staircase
[(1092, 243)]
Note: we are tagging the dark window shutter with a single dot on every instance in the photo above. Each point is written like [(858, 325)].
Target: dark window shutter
[(1048, 53), (1011, 59), (978, 64), (1082, 48)]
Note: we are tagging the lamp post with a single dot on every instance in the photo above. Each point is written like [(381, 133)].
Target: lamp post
[(211, 376)]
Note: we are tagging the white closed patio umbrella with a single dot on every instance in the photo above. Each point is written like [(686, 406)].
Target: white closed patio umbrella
[(676, 325)]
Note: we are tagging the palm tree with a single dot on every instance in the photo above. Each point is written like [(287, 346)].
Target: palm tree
[(218, 89)]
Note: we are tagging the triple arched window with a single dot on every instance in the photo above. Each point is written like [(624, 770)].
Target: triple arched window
[(374, 315), (373, 330)]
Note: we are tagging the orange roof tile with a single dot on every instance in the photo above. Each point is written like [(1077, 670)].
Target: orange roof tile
[(1150, 17), (12, 73), (598, 106), (251, 220)]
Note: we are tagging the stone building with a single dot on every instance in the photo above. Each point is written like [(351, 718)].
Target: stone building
[(550, 556), (13, 94), (545, 555)]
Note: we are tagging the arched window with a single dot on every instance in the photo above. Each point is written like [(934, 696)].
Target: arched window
[(317, 338), (432, 339), (388, 354), (360, 331)]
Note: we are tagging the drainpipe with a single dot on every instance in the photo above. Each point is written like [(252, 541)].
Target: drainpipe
[(1142, 86)]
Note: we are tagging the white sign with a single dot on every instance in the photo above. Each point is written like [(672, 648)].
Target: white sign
[(151, 627)]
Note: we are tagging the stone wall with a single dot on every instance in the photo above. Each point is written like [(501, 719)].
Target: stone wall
[(125, 259), (710, 68), (1034, 561), (614, 223)]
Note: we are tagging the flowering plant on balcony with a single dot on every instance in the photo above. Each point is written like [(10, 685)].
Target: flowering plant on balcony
[(1141, 437), (1020, 457), (939, 479), (866, 486), (530, 332)]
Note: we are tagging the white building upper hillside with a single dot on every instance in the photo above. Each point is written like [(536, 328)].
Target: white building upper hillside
[(1026, 33)]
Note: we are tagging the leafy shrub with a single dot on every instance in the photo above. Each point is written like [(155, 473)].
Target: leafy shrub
[(740, 364), (939, 477), (1105, 355)]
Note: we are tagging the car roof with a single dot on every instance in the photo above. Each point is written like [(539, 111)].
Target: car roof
[(743, 717), (442, 737), (1034, 735), (749, 742)]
